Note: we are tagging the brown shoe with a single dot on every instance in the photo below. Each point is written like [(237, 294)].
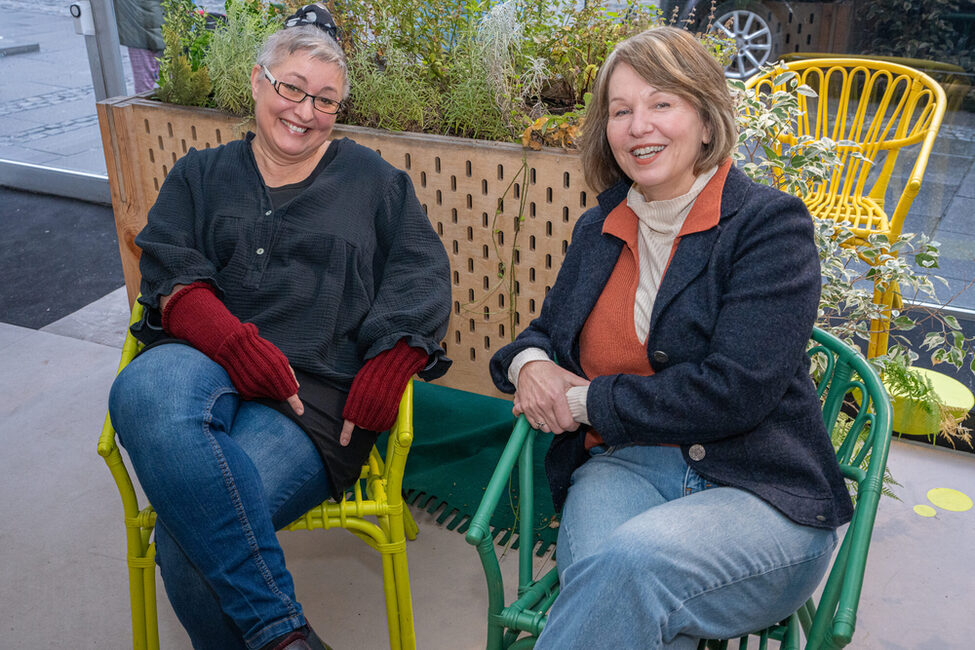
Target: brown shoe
[(304, 638)]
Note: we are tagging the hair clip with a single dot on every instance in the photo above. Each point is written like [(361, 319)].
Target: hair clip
[(314, 15)]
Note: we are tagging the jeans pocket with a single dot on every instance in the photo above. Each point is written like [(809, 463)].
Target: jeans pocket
[(694, 482), (600, 450)]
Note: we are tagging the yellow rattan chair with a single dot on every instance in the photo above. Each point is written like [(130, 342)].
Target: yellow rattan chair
[(373, 510), (883, 107)]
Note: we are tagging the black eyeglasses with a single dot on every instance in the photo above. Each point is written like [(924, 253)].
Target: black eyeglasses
[(297, 95)]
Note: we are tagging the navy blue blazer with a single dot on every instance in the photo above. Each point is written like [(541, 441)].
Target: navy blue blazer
[(727, 341)]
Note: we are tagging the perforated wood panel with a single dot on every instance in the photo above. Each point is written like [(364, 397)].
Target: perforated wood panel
[(472, 192)]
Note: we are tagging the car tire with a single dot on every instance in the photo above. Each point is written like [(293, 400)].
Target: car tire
[(754, 27)]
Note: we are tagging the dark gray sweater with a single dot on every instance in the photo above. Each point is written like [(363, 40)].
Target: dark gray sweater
[(333, 277)]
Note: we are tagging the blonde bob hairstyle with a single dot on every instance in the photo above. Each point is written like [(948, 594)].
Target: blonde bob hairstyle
[(307, 39), (671, 60)]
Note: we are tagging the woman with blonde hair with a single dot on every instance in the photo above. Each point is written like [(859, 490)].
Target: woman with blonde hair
[(698, 487)]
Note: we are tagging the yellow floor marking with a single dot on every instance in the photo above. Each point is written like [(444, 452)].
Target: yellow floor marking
[(948, 499), (925, 511)]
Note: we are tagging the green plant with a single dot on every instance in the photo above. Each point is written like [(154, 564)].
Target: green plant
[(183, 77), (506, 276), (917, 389), (471, 101), (476, 69), (233, 50), (399, 99), (470, 68), (556, 130), (763, 122), (576, 40)]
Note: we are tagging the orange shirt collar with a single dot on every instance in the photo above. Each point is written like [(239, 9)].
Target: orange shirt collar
[(622, 222), (706, 211)]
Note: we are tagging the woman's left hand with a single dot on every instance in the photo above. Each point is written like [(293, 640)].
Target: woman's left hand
[(541, 396), (346, 436)]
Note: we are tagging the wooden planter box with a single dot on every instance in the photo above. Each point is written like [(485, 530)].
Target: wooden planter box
[(459, 182)]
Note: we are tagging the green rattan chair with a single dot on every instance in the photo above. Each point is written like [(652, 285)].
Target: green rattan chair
[(855, 407), (373, 511)]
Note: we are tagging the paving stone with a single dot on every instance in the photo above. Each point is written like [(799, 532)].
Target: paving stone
[(960, 216), (967, 187), (91, 160), (21, 154), (23, 106)]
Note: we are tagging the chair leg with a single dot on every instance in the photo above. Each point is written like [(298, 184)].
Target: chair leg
[(142, 597), (152, 620), (404, 601), (409, 524), (392, 609), (880, 328), (399, 604), (137, 607)]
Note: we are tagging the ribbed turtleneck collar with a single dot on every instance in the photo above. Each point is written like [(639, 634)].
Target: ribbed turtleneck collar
[(666, 217)]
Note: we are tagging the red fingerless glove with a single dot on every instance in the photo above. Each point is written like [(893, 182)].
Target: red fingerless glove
[(256, 366), (378, 386)]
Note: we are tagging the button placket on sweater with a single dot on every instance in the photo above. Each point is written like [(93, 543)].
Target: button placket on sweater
[(260, 244)]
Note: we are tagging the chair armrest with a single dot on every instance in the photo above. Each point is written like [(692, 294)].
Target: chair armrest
[(131, 347), (480, 526)]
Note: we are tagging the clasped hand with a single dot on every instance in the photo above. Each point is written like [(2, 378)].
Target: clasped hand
[(541, 396)]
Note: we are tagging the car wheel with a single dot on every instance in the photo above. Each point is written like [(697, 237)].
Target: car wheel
[(751, 25)]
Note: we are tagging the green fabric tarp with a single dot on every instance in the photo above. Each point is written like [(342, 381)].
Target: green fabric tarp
[(458, 439)]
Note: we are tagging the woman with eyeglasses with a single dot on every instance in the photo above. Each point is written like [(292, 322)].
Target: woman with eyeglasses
[(292, 285)]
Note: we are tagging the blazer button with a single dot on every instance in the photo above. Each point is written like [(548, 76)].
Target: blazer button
[(660, 356), (696, 452), (820, 518)]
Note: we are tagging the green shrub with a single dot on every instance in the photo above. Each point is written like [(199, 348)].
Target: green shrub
[(232, 52), (183, 77), (388, 92)]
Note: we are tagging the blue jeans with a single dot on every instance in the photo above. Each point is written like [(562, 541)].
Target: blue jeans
[(650, 555), (222, 474)]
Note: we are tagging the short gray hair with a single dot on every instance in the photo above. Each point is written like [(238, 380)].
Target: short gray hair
[(310, 40)]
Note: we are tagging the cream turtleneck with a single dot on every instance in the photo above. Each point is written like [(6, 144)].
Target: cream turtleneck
[(660, 221)]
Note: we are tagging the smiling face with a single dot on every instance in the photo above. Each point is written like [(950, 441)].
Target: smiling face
[(292, 132), (655, 136)]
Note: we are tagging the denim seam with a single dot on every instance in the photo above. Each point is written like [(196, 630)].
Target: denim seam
[(756, 574), (242, 519)]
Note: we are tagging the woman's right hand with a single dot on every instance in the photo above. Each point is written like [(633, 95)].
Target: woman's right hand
[(256, 366), (541, 396)]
